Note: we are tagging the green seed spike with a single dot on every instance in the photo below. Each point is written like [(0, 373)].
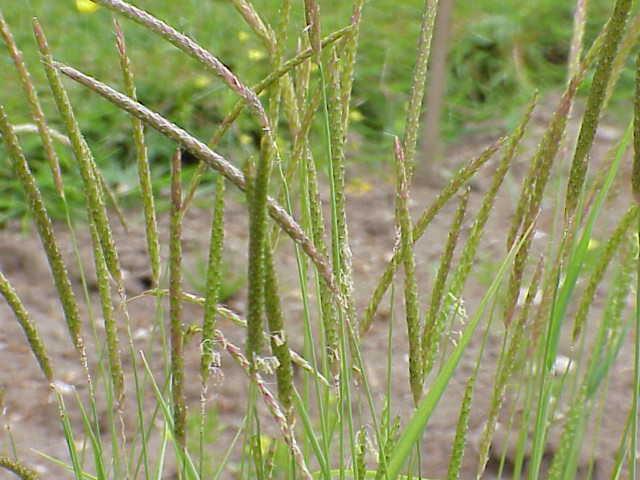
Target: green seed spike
[(459, 442), (84, 158), (110, 327), (214, 280), (261, 86), (142, 158), (611, 247), (533, 189), (438, 292), (29, 328), (410, 285), (175, 302), (327, 306), (469, 251), (18, 468), (414, 112), (461, 177), (255, 301), (204, 153), (45, 231), (635, 174), (627, 44), (34, 104), (278, 335), (350, 49), (342, 262), (312, 17), (506, 368), (613, 35)]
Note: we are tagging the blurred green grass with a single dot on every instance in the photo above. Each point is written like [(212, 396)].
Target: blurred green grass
[(500, 50)]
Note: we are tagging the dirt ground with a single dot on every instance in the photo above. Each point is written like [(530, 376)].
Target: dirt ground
[(31, 415)]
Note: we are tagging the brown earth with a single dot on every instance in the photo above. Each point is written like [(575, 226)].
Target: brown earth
[(31, 416)]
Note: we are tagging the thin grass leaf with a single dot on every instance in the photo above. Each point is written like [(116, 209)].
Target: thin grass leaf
[(96, 445), (184, 458)]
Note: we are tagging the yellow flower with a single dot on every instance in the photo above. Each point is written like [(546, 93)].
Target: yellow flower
[(243, 36), (356, 115), (245, 139), (255, 54), (86, 6)]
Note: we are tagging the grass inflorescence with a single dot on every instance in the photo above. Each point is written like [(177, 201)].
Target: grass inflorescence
[(314, 405)]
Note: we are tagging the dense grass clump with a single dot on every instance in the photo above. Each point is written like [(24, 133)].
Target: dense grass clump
[(312, 409)]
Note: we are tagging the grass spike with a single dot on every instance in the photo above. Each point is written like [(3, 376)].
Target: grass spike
[(82, 153), (438, 293), (614, 241), (142, 158), (414, 111), (18, 468), (29, 328), (462, 176), (214, 280), (613, 35), (203, 153), (412, 305), (45, 231), (175, 302), (278, 335), (34, 104)]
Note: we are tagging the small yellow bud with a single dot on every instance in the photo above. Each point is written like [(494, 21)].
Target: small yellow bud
[(86, 6), (243, 36)]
